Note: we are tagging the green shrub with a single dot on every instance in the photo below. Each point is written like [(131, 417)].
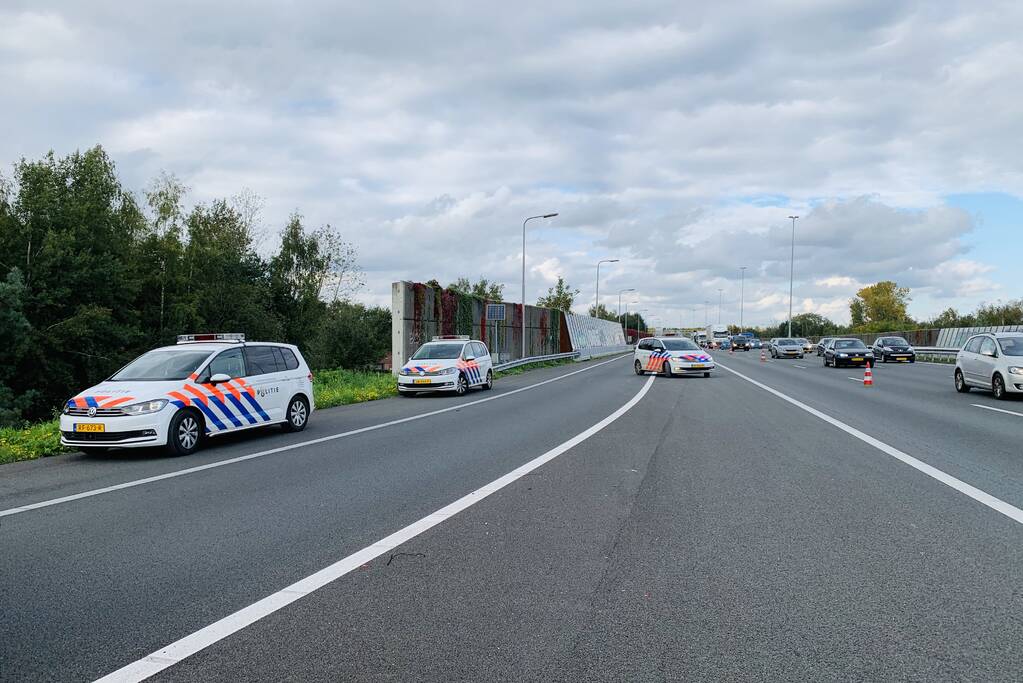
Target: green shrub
[(341, 387), (36, 441)]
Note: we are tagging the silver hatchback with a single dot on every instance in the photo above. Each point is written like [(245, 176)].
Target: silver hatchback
[(993, 361)]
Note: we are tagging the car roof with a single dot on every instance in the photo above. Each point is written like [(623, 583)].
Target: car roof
[(219, 346)]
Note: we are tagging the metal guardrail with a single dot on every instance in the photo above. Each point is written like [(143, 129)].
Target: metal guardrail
[(534, 359), (935, 351)]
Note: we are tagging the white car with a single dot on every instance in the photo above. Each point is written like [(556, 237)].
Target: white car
[(671, 356), (447, 363), (992, 360), (176, 396)]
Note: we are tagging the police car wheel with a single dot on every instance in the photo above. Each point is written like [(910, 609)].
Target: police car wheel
[(489, 384), (638, 367), (462, 385), (297, 415), (666, 369), (184, 433)]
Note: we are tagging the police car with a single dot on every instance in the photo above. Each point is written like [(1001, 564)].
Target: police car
[(176, 396), (671, 356), (447, 363)]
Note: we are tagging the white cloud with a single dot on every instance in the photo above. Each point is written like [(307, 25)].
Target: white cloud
[(676, 137)]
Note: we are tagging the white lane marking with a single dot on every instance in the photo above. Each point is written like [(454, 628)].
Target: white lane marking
[(997, 410), (1010, 511), (856, 379), (290, 447), (801, 367), (218, 630)]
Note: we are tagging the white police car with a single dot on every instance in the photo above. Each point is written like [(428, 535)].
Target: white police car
[(671, 356), (175, 396), (447, 363)]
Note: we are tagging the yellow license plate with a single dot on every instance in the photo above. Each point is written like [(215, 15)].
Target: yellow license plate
[(420, 381), (857, 359), (696, 365), (90, 427)]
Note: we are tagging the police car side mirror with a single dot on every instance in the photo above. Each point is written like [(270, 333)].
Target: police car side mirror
[(220, 378), (470, 357)]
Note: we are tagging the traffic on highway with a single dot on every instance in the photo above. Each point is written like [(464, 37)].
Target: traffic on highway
[(625, 507)]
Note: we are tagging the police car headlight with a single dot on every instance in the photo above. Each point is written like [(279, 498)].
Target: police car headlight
[(145, 407), (1016, 370), (449, 371), (67, 407), (406, 371)]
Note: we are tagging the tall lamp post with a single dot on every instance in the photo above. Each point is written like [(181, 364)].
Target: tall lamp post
[(792, 264), (742, 283), (596, 295), (706, 313), (719, 305), (620, 292), (546, 215)]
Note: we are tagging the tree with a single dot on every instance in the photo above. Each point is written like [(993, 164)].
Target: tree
[(633, 321), (812, 325), (856, 312), (561, 296), (1010, 313), (882, 302), (481, 289), (351, 336), (602, 312)]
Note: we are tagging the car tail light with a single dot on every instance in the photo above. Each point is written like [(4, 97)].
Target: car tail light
[(310, 376)]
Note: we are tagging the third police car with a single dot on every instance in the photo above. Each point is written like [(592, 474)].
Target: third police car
[(671, 356), (176, 396), (447, 363)]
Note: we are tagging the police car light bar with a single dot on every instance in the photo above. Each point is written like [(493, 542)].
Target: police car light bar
[(446, 337), (219, 336)]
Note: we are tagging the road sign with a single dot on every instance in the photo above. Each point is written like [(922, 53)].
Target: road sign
[(495, 311)]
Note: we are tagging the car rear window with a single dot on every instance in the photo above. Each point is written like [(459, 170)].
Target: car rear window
[(290, 359)]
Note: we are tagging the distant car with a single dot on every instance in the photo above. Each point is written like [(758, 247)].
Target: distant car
[(447, 363), (784, 347), (808, 345), (741, 342), (841, 351), (724, 344), (671, 356), (822, 344), (895, 349), (755, 343), (993, 361)]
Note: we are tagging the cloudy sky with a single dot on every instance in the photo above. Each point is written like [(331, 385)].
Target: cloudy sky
[(674, 136)]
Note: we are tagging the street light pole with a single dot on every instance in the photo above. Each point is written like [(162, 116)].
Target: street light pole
[(546, 215), (742, 283), (792, 264), (719, 305), (620, 292), (596, 295), (706, 313)]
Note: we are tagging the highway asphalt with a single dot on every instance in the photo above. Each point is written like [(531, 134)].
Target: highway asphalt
[(713, 531)]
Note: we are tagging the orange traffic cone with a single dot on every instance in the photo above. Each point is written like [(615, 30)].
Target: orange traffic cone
[(763, 357), (868, 377)]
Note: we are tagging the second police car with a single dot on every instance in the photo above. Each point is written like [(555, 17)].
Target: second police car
[(176, 396), (447, 363), (671, 356)]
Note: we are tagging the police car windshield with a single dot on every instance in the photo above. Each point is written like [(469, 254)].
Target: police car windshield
[(162, 365), (439, 351), (1011, 346), (679, 345)]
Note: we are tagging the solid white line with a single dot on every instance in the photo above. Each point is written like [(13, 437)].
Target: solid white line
[(856, 379), (281, 449), (801, 367), (997, 410), (203, 638), (1010, 511)]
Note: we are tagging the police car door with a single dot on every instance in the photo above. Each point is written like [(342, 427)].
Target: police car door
[(266, 381), (229, 399), (470, 366), (483, 359)]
